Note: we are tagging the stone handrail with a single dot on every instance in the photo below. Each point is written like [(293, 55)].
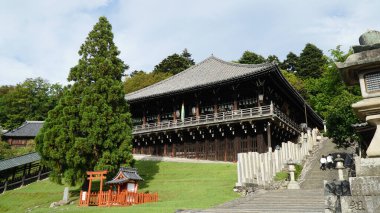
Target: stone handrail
[(215, 118)]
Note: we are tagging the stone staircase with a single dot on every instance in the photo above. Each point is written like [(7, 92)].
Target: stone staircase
[(314, 177), (308, 199), (284, 201)]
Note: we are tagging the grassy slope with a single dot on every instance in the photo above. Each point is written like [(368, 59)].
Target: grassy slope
[(179, 185)]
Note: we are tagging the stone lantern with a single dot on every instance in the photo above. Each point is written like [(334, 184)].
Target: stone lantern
[(339, 166), (363, 67), (293, 184)]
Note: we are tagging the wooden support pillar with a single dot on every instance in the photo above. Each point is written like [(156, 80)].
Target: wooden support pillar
[(39, 172), (144, 119), (235, 106), (173, 150), (89, 192), (196, 150), (206, 148), (101, 184), (225, 148), (14, 174), (30, 167), (5, 185), (269, 136), (174, 115), (197, 110), (23, 175), (216, 148), (215, 108), (165, 147)]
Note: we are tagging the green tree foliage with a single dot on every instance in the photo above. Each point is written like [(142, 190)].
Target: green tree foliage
[(30, 100), (290, 63), (273, 59), (175, 63), (296, 82), (141, 80), (311, 62), (249, 57), (332, 99), (340, 117), (90, 128)]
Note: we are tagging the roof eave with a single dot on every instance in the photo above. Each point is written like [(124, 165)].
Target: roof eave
[(200, 87)]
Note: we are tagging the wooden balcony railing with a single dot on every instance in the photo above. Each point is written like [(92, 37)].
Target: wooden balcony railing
[(255, 113)]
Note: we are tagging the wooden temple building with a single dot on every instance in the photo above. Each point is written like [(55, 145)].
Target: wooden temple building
[(24, 134), (216, 109)]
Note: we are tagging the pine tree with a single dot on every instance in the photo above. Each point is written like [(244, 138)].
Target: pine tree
[(187, 56), (175, 63), (90, 128)]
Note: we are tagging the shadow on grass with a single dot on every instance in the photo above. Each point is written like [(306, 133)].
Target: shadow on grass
[(147, 170)]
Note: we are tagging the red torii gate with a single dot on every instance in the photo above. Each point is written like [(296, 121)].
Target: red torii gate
[(93, 175)]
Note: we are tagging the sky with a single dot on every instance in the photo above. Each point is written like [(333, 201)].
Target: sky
[(41, 38)]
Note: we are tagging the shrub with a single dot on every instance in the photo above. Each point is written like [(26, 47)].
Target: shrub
[(298, 171), (281, 176)]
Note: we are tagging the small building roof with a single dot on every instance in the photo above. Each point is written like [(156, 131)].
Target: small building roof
[(211, 71), (27, 129), (124, 175), (19, 161)]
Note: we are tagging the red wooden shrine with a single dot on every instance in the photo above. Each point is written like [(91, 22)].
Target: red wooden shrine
[(122, 190)]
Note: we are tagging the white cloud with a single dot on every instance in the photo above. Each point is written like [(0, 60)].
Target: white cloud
[(42, 38)]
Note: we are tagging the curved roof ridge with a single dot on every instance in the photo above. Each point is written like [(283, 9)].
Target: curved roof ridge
[(241, 65), (176, 75), (210, 71)]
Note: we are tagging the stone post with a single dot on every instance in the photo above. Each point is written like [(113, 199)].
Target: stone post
[(239, 170), (339, 166), (65, 198), (293, 184)]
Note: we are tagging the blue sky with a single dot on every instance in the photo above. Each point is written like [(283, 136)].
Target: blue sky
[(41, 38)]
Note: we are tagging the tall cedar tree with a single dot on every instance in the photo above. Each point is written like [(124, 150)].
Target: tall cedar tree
[(90, 128), (175, 63), (311, 62)]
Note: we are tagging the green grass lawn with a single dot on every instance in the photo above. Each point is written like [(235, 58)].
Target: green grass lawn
[(179, 185)]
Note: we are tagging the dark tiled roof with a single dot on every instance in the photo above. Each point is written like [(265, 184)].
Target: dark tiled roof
[(28, 129), (129, 174), (19, 161), (209, 72)]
